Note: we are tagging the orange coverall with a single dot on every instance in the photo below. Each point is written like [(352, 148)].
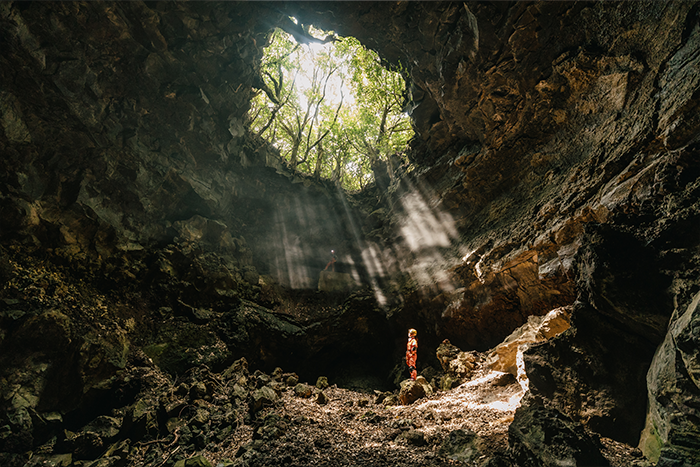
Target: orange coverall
[(412, 356)]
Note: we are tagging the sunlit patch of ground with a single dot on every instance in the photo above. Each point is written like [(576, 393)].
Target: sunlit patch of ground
[(352, 430), (478, 405)]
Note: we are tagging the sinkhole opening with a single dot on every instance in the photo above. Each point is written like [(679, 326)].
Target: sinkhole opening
[(331, 107)]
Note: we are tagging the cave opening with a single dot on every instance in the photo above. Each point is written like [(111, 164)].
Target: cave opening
[(306, 74), (331, 107)]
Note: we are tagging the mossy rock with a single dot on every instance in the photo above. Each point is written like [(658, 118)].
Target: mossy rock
[(191, 346)]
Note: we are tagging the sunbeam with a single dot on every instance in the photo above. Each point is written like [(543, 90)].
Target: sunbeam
[(428, 234)]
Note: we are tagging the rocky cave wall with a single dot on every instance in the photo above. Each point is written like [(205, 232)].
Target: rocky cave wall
[(139, 214), (556, 162), (561, 138)]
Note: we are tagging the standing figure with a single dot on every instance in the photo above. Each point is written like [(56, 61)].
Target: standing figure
[(331, 263), (412, 353)]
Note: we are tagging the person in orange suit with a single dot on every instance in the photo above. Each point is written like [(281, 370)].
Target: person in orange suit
[(412, 353)]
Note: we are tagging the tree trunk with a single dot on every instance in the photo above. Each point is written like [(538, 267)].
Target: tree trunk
[(295, 152), (319, 159), (338, 168)]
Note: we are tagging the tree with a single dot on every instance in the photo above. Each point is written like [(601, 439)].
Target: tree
[(333, 111), (381, 127)]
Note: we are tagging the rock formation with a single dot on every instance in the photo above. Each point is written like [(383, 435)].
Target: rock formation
[(556, 164)]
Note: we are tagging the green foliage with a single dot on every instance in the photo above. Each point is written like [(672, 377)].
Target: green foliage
[(333, 110)]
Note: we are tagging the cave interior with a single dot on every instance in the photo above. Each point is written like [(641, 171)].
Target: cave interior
[(555, 167)]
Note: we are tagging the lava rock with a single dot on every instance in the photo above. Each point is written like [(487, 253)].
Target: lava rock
[(262, 397), (545, 437), (322, 382), (411, 391), (461, 445), (414, 438), (303, 390)]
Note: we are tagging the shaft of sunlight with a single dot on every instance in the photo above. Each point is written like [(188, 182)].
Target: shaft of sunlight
[(428, 233), (370, 254)]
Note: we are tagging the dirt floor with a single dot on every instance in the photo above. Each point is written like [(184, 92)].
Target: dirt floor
[(351, 430)]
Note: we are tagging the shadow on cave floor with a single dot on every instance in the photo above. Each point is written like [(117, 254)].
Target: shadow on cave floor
[(361, 377)]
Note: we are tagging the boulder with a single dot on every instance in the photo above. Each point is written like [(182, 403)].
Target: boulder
[(390, 400), (593, 374), (141, 418), (458, 366), (545, 437), (292, 380), (414, 437), (411, 391), (238, 392), (84, 445), (462, 446), (321, 398), (322, 382), (504, 357), (303, 390), (262, 397), (48, 332), (236, 370), (16, 432), (198, 391), (671, 434)]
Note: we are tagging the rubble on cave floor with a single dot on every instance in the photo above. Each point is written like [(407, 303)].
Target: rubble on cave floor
[(242, 418), (237, 418), (341, 427), (357, 429), (338, 427), (353, 429)]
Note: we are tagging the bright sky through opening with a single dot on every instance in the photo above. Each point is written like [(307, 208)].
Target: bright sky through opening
[(306, 56)]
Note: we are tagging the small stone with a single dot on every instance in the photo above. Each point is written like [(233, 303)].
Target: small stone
[(322, 382), (302, 390), (263, 397), (292, 380), (277, 374), (237, 392), (198, 391), (414, 438), (321, 398)]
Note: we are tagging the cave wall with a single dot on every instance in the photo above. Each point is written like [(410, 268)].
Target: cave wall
[(556, 160), (139, 214), (122, 123), (561, 140)]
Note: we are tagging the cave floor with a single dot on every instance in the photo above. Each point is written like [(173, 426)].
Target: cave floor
[(352, 430)]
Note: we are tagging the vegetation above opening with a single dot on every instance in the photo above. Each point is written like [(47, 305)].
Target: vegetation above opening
[(329, 106)]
